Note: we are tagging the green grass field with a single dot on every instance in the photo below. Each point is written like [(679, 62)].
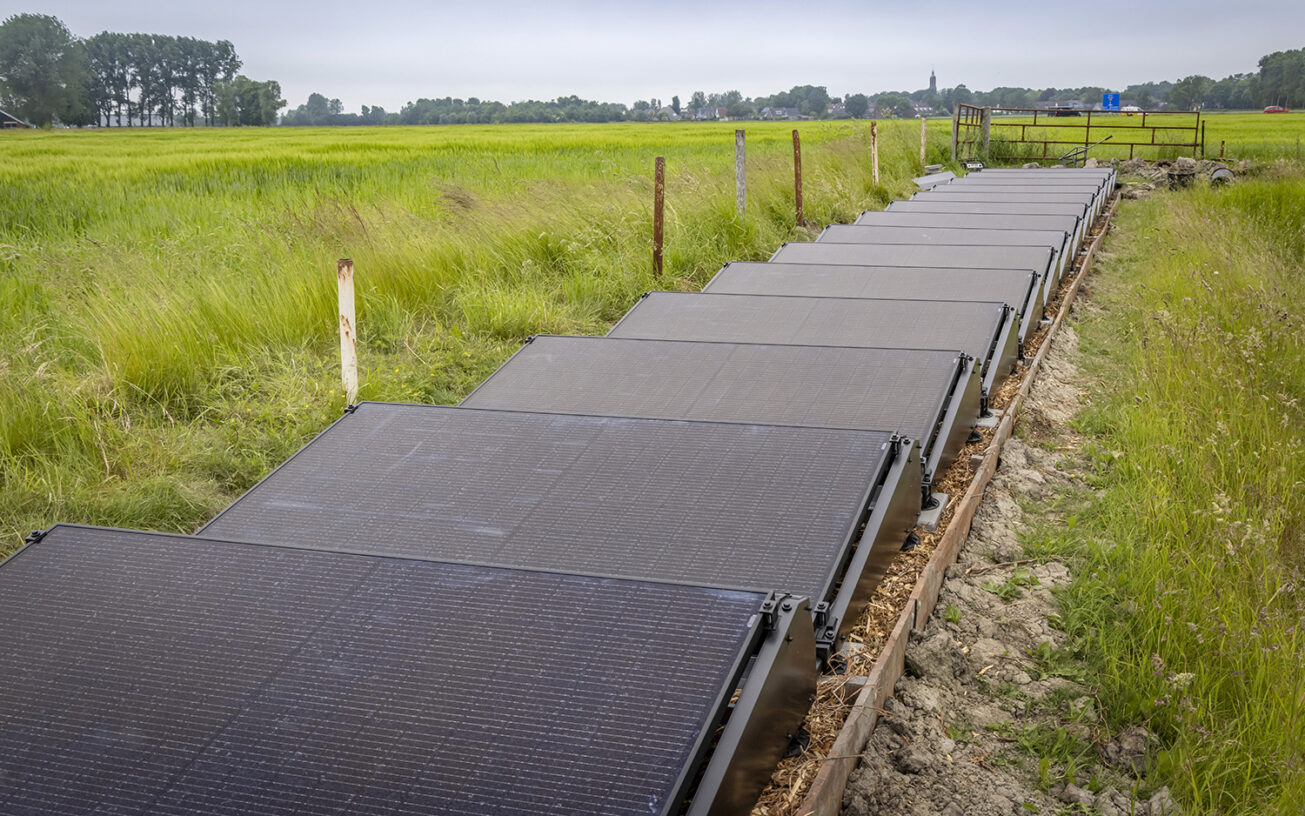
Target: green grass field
[(1190, 598), (167, 298)]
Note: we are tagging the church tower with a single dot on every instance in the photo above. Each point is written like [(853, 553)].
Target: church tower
[(933, 82)]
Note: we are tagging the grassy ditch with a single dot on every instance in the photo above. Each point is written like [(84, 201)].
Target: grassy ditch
[(1190, 601)]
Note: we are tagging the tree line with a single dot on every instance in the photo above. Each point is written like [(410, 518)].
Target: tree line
[(128, 80)]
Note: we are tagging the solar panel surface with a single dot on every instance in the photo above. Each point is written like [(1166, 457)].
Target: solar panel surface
[(1036, 259), (1017, 288), (899, 390), (724, 504), (158, 674)]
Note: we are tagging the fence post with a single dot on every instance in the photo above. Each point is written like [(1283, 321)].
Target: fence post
[(987, 130), (348, 333), (740, 171), (924, 140), (956, 127), (797, 177), (874, 153), (659, 201)]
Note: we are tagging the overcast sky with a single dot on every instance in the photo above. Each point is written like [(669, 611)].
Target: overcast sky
[(388, 52)]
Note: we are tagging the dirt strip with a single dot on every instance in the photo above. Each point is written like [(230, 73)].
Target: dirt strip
[(848, 706)]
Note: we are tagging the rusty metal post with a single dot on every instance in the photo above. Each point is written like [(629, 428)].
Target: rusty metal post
[(797, 177), (659, 202), (924, 140), (348, 330), (1198, 116), (740, 171), (1221, 144), (956, 128), (874, 153)]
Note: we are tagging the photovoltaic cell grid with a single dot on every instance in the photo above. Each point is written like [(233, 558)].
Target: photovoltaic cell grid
[(734, 505), (882, 389), (169, 675), (950, 325), (879, 234), (980, 221), (1015, 287)]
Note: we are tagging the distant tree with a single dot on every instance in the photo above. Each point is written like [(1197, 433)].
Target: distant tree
[(1281, 80), (1188, 93), (697, 101), (242, 101), (43, 73), (856, 105), (894, 104), (675, 105)]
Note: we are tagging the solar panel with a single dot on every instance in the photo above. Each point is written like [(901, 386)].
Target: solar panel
[(1018, 288), (1056, 240), (166, 675), (723, 504), (988, 206), (1038, 259), (931, 396), (985, 331), (1097, 186), (989, 195), (979, 221)]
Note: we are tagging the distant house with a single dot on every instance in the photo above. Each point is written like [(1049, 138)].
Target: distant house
[(790, 114), (837, 110), (704, 113), (722, 112), (921, 109), (8, 120)]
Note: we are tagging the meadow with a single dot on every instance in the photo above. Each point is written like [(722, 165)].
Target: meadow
[(1190, 593), (167, 298)]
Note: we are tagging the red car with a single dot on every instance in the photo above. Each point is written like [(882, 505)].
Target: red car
[(1276, 109)]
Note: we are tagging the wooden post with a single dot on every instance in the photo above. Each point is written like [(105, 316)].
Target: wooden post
[(987, 130), (348, 331), (874, 153), (1221, 144), (740, 171), (659, 201), (924, 140), (1202, 139), (956, 127), (797, 177)]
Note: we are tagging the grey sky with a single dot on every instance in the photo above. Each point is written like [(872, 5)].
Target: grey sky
[(388, 52)]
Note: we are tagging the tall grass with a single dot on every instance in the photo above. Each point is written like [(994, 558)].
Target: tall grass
[(1192, 600), (167, 323)]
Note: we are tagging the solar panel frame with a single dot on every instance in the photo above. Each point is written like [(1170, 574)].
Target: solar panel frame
[(996, 358), (1099, 187), (771, 665), (1022, 286), (878, 235), (883, 511), (699, 381), (1011, 192)]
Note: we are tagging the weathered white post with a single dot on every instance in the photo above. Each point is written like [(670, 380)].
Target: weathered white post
[(874, 153), (740, 172), (348, 331)]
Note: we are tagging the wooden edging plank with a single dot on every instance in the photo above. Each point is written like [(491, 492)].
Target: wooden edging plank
[(826, 795)]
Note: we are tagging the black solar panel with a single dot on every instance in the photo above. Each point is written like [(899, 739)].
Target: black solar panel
[(1018, 288), (1037, 259), (723, 504), (995, 221), (1056, 240), (985, 331), (901, 390), (158, 674), (987, 204), (990, 192)]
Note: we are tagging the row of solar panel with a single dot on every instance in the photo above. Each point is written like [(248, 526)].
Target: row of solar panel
[(589, 588)]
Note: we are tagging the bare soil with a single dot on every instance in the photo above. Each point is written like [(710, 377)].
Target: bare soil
[(985, 691)]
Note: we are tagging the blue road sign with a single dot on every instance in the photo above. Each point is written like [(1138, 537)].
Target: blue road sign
[(1110, 101)]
